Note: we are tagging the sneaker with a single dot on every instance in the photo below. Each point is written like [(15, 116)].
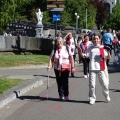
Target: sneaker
[(108, 98), (62, 98), (72, 75), (66, 98), (88, 75), (85, 76), (92, 102)]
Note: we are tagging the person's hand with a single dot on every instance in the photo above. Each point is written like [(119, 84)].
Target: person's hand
[(72, 49), (73, 70), (83, 55), (77, 46), (48, 68), (68, 33)]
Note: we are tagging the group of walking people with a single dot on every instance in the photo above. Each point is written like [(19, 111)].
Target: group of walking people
[(93, 56)]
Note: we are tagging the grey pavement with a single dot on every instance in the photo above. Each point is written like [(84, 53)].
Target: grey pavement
[(32, 104)]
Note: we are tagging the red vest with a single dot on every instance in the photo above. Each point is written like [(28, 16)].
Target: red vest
[(102, 62)]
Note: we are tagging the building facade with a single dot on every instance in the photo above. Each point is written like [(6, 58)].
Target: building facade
[(111, 4)]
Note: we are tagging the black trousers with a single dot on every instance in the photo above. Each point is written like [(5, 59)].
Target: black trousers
[(74, 56), (62, 82), (107, 61), (85, 65)]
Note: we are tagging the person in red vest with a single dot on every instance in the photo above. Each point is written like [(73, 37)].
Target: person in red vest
[(97, 66)]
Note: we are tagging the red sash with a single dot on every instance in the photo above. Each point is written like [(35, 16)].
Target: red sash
[(85, 45), (68, 42), (102, 62)]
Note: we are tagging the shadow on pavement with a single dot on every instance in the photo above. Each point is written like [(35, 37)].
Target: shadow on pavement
[(113, 68), (44, 76), (76, 77), (114, 90), (55, 77), (38, 98)]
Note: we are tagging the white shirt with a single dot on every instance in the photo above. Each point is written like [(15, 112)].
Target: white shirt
[(5, 34), (65, 57), (72, 45), (9, 35), (94, 54)]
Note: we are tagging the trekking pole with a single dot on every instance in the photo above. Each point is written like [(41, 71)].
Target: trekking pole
[(47, 84)]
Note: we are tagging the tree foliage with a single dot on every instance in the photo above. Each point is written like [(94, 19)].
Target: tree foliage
[(79, 7), (101, 9), (9, 10), (114, 18)]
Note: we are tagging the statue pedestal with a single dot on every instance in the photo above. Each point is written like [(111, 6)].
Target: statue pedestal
[(39, 30)]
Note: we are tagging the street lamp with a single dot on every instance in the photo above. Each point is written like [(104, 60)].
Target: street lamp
[(77, 17), (86, 19)]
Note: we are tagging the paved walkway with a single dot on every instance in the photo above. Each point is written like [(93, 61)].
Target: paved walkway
[(33, 105)]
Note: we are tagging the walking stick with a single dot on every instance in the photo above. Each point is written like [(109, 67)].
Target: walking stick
[(47, 84)]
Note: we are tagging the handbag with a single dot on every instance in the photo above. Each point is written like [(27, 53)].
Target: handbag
[(65, 68)]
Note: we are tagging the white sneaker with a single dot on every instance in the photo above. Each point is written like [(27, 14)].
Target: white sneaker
[(88, 75), (92, 102), (85, 76), (108, 98), (62, 98)]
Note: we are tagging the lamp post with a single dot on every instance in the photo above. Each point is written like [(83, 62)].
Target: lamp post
[(86, 19), (77, 17)]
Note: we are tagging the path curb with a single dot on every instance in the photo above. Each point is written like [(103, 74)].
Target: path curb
[(16, 91)]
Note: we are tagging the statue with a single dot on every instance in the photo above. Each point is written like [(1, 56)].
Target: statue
[(39, 15)]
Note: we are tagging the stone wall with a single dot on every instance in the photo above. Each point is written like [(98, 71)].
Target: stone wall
[(9, 43)]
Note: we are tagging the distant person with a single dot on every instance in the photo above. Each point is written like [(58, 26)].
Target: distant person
[(49, 36), (9, 34), (4, 33), (90, 35), (79, 41), (18, 34), (115, 41), (59, 34), (107, 40), (41, 36)]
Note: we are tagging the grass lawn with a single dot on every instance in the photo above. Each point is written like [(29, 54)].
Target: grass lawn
[(21, 60), (6, 83), (18, 60)]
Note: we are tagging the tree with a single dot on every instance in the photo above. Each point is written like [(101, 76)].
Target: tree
[(9, 11), (78, 6), (102, 12), (114, 18)]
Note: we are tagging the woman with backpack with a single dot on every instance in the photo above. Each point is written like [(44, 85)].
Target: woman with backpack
[(63, 62)]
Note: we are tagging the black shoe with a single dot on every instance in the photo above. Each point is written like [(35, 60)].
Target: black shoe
[(72, 75)]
